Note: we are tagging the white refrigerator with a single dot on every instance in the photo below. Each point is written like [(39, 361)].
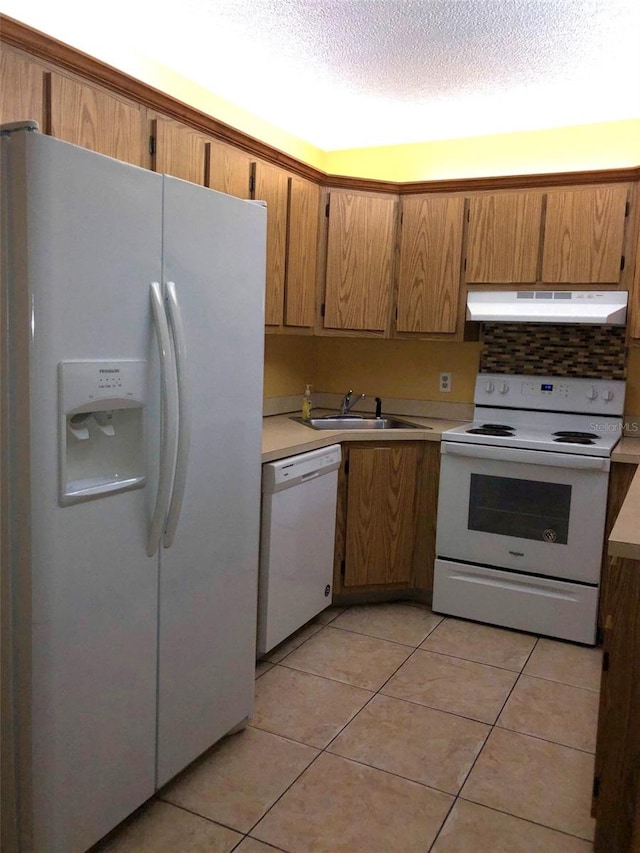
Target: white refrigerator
[(132, 360)]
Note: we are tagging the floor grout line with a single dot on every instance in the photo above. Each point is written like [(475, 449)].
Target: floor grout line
[(378, 692)]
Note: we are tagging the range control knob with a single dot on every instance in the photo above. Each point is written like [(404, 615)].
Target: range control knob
[(608, 395), (489, 387), (504, 387), (592, 393)]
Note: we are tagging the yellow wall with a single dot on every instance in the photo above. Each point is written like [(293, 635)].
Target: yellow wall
[(163, 78), (289, 365), (608, 145), (390, 368), (384, 368), (387, 368)]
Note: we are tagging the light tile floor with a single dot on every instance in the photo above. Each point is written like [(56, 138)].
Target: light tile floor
[(388, 729)]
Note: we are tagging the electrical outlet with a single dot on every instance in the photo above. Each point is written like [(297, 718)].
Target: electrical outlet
[(445, 382)]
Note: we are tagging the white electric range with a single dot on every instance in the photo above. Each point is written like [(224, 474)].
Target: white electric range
[(522, 504)]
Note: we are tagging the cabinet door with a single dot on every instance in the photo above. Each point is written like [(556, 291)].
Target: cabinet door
[(302, 247), (430, 259), (584, 234), (617, 789), (179, 151), (21, 88), (229, 169), (381, 521), (359, 261), (271, 184), (504, 238), (94, 119)]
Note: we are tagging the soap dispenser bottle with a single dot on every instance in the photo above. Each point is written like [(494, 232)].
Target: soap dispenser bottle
[(306, 404)]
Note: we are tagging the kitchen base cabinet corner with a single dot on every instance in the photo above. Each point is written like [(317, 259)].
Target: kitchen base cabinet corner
[(385, 528)]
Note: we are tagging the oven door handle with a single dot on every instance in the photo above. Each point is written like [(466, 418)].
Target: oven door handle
[(530, 457)]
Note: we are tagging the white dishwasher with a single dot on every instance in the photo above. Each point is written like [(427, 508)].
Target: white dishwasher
[(299, 496)]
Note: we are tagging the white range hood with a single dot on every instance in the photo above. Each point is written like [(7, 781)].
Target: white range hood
[(602, 307)]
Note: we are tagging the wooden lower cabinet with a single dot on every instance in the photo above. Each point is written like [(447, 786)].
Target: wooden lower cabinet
[(620, 477), (616, 802), (387, 499)]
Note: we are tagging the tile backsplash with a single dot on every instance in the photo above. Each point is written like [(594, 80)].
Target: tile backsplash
[(592, 352)]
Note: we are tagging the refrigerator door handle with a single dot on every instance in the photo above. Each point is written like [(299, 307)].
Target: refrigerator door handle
[(169, 429), (184, 413)]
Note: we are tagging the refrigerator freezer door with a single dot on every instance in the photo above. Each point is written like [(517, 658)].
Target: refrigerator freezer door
[(214, 251), (86, 629)]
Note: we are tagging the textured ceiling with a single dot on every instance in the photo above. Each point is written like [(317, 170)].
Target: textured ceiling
[(351, 73)]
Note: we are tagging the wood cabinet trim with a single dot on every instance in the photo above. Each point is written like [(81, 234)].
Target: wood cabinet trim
[(48, 49)]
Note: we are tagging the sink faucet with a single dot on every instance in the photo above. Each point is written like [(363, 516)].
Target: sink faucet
[(348, 403)]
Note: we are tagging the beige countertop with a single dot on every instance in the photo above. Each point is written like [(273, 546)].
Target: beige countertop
[(624, 540), (627, 450), (283, 437)]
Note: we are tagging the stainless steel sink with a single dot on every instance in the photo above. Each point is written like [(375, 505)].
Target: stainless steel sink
[(355, 422)]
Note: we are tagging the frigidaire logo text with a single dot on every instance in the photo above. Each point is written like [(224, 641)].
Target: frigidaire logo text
[(109, 370)]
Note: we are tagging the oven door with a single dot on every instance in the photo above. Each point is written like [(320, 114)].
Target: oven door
[(525, 510)]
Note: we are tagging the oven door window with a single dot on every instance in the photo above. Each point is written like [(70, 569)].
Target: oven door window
[(525, 509)]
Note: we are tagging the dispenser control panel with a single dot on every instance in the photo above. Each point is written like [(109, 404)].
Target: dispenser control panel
[(111, 384)]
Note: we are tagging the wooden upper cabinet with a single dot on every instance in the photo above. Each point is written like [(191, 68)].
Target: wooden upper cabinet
[(359, 261), (302, 248), (381, 519), (229, 169), (271, 185), (21, 88), (179, 151), (95, 119), (504, 238), (584, 235), (430, 261)]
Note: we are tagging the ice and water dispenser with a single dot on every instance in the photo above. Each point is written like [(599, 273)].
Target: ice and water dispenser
[(102, 406)]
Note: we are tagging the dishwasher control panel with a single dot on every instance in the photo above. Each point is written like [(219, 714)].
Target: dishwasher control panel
[(296, 469)]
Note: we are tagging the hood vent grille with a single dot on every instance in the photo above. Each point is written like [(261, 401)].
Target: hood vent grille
[(608, 307)]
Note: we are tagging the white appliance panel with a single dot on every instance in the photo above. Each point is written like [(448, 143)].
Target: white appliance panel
[(93, 590), (539, 605), (214, 250), (578, 559), (297, 543)]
